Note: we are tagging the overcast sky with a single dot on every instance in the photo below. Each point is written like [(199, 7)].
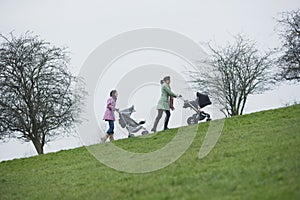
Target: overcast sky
[(84, 25)]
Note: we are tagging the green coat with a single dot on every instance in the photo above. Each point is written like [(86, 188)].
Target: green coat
[(164, 101)]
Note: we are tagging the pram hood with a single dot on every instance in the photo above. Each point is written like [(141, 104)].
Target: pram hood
[(203, 100)]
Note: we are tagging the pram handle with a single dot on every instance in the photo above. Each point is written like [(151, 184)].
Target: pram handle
[(182, 98)]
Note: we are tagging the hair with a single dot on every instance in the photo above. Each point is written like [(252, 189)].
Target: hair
[(112, 93), (165, 79)]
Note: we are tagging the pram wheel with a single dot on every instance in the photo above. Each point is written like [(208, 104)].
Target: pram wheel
[(145, 132), (130, 135), (192, 120)]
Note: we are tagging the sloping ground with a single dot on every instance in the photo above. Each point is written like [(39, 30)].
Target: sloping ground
[(256, 157)]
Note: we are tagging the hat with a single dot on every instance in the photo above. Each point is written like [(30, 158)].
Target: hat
[(166, 78)]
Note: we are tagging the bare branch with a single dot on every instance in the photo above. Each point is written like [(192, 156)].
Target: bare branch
[(38, 94), (289, 32), (237, 70)]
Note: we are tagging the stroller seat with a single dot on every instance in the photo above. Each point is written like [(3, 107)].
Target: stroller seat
[(130, 124)]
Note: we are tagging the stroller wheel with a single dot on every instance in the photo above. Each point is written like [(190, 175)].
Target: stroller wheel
[(145, 132), (130, 135), (192, 120)]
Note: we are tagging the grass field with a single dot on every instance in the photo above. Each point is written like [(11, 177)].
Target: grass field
[(256, 157)]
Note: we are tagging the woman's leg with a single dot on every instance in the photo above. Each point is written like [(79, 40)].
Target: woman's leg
[(111, 137), (109, 132), (111, 127), (104, 138), (168, 114), (159, 115)]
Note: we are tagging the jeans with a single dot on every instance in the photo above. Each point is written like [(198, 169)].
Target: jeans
[(159, 115), (111, 127)]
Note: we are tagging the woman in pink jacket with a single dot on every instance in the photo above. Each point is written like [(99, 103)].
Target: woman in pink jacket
[(109, 115)]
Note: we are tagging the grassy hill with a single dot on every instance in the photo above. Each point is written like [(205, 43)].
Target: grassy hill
[(256, 157)]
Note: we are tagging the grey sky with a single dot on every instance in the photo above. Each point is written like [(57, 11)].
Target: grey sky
[(84, 25)]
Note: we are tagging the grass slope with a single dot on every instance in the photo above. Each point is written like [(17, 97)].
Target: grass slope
[(256, 157)]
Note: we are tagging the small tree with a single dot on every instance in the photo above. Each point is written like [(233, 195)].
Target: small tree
[(37, 96), (289, 32), (234, 72)]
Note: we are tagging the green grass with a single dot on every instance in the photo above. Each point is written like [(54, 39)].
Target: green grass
[(256, 157)]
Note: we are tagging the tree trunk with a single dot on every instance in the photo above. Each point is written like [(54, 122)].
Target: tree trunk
[(243, 106), (37, 138), (38, 146)]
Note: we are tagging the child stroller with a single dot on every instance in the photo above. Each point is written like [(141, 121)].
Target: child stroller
[(131, 125), (201, 101)]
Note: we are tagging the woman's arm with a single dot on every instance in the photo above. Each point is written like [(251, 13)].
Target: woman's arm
[(168, 90)]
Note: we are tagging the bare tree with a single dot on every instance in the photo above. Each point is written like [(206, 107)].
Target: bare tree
[(234, 72), (37, 96), (289, 32)]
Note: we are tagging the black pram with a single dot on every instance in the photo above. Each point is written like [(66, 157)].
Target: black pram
[(131, 125), (201, 101)]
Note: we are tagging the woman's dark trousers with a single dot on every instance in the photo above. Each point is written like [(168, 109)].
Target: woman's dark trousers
[(158, 117)]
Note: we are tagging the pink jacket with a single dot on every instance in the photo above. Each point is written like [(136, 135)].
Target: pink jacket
[(110, 108)]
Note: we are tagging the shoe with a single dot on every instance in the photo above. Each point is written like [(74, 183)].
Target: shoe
[(153, 130), (166, 129)]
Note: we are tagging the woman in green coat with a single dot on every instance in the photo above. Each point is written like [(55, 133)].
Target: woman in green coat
[(164, 103)]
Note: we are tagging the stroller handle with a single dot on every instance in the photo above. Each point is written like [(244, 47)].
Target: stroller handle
[(193, 107), (182, 98)]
